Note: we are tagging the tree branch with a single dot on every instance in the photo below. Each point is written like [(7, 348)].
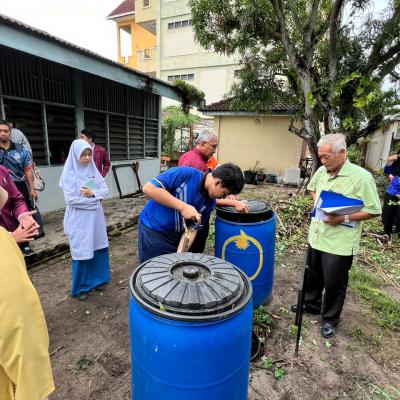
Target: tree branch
[(300, 132), (375, 58), (334, 22), (372, 126), (389, 66), (386, 62), (312, 22)]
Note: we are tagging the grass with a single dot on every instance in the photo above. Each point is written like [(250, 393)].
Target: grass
[(261, 316), (386, 310), (83, 362), (370, 391)]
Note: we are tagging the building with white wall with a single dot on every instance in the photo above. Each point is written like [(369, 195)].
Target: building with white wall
[(177, 54)]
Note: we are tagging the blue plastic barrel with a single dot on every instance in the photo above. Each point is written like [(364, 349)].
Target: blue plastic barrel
[(248, 241), (190, 326)]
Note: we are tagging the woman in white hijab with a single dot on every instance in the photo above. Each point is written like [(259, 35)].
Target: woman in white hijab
[(84, 223)]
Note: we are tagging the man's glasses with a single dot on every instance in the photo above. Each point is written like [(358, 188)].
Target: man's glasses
[(214, 146)]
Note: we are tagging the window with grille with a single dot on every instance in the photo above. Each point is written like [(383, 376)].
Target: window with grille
[(118, 138), (147, 54), (96, 122), (27, 117), (136, 138), (151, 138), (180, 24), (61, 132), (183, 77)]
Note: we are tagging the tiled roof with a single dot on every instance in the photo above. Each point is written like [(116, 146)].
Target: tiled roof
[(46, 36), (224, 106), (125, 8)]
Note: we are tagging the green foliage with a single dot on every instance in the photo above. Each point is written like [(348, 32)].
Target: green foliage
[(267, 362), (83, 362), (291, 52), (175, 118), (354, 154), (190, 95), (279, 373), (261, 316)]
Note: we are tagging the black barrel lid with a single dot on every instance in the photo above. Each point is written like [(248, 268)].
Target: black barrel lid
[(255, 207), (189, 284)]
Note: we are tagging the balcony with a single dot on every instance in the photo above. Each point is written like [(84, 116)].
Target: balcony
[(146, 60), (146, 14)]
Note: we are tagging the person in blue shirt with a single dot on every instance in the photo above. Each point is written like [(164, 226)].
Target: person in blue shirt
[(391, 201), (177, 194)]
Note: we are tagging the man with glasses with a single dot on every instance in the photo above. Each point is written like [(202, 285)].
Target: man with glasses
[(206, 146)]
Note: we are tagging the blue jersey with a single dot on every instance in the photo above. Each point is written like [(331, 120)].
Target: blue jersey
[(184, 183), (16, 159), (394, 187)]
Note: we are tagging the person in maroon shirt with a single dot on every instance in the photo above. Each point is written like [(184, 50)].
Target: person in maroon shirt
[(15, 216), (100, 155), (206, 146)]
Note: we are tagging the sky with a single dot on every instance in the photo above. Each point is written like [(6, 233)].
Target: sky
[(82, 22)]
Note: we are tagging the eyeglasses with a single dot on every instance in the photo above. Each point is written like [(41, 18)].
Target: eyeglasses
[(214, 146)]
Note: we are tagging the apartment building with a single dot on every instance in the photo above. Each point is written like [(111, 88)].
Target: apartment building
[(156, 36)]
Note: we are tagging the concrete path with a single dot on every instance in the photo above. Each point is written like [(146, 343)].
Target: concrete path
[(119, 213)]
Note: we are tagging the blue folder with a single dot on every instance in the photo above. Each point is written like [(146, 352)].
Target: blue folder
[(336, 203)]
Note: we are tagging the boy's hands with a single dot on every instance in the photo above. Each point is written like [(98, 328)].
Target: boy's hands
[(189, 212)]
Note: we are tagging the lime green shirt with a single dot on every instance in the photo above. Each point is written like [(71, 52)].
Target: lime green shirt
[(352, 181)]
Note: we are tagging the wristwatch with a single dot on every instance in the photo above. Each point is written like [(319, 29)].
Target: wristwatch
[(346, 219)]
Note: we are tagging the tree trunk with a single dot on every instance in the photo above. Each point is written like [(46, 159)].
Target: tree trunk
[(191, 137)]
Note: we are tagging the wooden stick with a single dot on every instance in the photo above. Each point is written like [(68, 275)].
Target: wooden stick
[(56, 350)]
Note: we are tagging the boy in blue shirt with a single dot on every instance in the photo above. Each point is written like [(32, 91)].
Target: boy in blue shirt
[(391, 201), (177, 194)]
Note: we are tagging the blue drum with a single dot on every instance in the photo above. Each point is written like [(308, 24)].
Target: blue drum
[(248, 241), (190, 326)]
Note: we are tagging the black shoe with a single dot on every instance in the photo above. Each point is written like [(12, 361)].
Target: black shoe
[(328, 330), (101, 288), (306, 309), (27, 251)]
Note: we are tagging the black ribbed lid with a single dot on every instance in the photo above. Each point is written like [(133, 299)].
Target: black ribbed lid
[(255, 207), (258, 211), (189, 284)]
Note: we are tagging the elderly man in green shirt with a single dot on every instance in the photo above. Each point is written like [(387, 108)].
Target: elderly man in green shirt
[(331, 244)]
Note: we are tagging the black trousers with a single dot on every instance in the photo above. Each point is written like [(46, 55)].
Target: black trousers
[(328, 273), (200, 240), (390, 214)]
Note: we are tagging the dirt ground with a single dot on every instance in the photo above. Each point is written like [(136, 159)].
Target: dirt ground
[(89, 341)]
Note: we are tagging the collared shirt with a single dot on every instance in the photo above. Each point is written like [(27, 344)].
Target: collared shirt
[(394, 187), (184, 183), (194, 158), (18, 137), (101, 159), (17, 160), (352, 181), (15, 205)]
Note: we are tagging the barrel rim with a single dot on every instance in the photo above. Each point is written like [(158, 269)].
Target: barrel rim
[(272, 219), (243, 302)]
